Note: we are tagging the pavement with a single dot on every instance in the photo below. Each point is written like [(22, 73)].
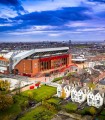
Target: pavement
[(46, 79)]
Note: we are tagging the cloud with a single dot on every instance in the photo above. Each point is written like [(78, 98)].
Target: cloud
[(43, 27), (98, 1), (45, 5), (56, 17), (14, 4), (30, 32), (3, 20), (91, 29), (101, 15), (62, 33), (46, 19), (77, 24), (6, 24), (55, 34), (60, 19), (94, 23)]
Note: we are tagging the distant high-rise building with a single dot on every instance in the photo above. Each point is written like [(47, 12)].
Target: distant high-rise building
[(69, 44)]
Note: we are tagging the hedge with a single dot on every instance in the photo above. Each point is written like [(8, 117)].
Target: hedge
[(57, 79)]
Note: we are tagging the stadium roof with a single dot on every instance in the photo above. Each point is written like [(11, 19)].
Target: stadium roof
[(40, 50)]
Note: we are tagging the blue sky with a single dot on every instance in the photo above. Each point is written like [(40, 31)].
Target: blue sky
[(52, 20)]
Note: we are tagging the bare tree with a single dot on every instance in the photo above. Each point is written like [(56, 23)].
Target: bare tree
[(18, 87)]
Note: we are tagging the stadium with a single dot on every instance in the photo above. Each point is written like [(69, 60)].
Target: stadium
[(36, 61)]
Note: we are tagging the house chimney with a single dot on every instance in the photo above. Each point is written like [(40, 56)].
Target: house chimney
[(85, 90), (78, 84), (91, 88), (103, 95), (88, 89)]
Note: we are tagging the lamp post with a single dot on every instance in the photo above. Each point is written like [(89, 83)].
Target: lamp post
[(49, 79), (45, 80)]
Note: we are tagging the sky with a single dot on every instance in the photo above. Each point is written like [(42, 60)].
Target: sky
[(52, 20)]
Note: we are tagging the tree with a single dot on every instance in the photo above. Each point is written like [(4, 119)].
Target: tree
[(43, 115), (4, 85), (91, 85), (48, 105), (30, 95), (92, 111), (24, 105), (63, 94), (5, 101), (18, 87), (7, 85)]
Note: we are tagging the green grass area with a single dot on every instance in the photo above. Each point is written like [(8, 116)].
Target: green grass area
[(39, 113), (54, 100), (43, 112), (70, 74), (57, 79), (87, 111), (84, 111), (60, 82), (14, 109), (100, 117), (70, 107), (103, 112), (41, 93)]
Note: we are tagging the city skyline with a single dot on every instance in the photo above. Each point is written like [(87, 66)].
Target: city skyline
[(51, 20)]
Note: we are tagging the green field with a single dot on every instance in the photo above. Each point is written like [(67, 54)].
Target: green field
[(39, 113), (70, 107), (54, 100), (43, 112), (41, 93)]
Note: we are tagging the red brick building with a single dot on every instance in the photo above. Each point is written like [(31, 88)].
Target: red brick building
[(4, 65), (38, 61)]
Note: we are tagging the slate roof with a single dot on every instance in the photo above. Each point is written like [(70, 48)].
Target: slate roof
[(85, 81), (68, 87), (102, 82), (78, 88), (95, 92), (63, 85)]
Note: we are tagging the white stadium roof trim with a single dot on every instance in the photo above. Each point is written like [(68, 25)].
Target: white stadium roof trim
[(21, 54), (8, 55), (39, 50)]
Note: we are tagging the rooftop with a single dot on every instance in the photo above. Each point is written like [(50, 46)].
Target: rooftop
[(95, 92), (78, 88), (102, 82), (3, 59), (40, 50), (85, 81)]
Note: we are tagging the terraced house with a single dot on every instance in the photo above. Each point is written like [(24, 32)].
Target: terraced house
[(79, 94), (64, 89), (95, 98)]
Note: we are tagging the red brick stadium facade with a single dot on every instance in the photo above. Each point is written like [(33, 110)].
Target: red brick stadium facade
[(45, 63)]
